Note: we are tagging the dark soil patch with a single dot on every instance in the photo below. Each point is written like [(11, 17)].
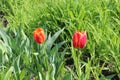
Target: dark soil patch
[(108, 73), (4, 20)]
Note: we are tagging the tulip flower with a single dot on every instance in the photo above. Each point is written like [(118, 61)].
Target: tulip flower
[(79, 39), (39, 35)]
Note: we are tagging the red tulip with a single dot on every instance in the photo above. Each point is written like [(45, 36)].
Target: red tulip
[(39, 35), (79, 39)]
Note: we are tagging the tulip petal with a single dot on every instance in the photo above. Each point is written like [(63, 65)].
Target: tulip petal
[(79, 39), (39, 35)]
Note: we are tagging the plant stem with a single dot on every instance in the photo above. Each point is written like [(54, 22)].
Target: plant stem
[(76, 57)]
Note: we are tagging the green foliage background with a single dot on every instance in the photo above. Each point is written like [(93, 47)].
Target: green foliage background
[(21, 55)]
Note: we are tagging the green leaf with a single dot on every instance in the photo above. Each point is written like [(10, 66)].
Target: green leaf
[(118, 75), (56, 48), (2, 46), (22, 74), (1, 57), (4, 36), (9, 73), (52, 39), (17, 67), (40, 76), (67, 77)]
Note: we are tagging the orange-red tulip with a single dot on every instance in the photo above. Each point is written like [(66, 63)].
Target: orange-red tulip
[(79, 39), (39, 35)]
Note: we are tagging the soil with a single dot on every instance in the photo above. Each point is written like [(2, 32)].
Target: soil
[(4, 20)]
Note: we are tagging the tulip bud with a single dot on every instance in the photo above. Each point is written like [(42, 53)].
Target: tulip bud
[(39, 35), (79, 39)]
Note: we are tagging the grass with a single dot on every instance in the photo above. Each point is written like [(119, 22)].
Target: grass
[(22, 58)]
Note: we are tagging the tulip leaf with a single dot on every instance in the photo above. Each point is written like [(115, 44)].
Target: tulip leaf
[(4, 42), (52, 39), (56, 48), (2, 46), (17, 67), (1, 57), (4, 36)]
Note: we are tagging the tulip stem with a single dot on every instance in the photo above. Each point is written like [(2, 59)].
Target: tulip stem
[(78, 63), (76, 55), (39, 47)]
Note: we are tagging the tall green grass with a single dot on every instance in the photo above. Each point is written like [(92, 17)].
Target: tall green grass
[(22, 58)]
